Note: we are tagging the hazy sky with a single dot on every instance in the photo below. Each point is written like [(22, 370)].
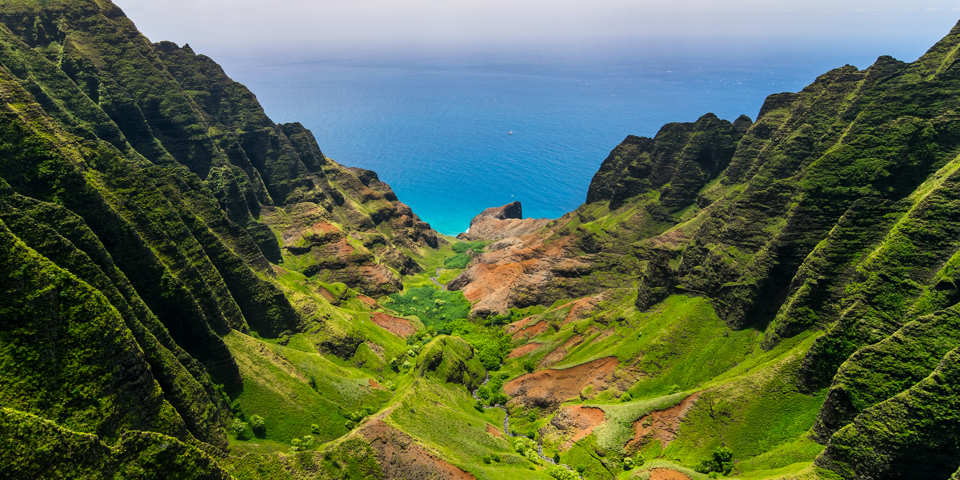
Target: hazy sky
[(221, 26)]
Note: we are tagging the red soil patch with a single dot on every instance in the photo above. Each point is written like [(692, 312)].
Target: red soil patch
[(665, 474), (494, 431), (558, 354), (324, 228), (367, 301), (531, 331), (661, 425), (670, 239), (521, 351), (400, 327), (551, 387), (328, 296), (400, 457), (581, 309), (374, 384), (513, 327), (578, 419)]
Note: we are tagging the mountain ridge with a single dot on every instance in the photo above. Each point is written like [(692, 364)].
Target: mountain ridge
[(190, 289)]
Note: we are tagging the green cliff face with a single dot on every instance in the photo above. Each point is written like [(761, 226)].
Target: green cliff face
[(188, 289), (149, 208)]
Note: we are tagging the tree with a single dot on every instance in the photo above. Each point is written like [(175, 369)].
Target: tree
[(722, 462), (258, 425), (238, 427)]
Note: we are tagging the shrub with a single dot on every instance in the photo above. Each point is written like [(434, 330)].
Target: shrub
[(529, 365), (307, 442), (462, 247), (258, 425), (314, 429), (561, 473), (722, 462), (459, 260), (237, 410), (626, 397)]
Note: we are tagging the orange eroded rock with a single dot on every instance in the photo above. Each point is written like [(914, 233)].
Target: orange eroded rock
[(581, 309), (513, 268), (494, 431), (661, 425), (578, 420), (400, 457), (548, 388), (521, 351), (374, 384), (400, 327)]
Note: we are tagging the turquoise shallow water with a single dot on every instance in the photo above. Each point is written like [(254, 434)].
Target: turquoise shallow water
[(436, 128)]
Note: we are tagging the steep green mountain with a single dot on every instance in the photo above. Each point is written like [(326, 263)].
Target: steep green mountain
[(190, 290)]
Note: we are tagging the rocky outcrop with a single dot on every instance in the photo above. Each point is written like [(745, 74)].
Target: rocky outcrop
[(497, 223)]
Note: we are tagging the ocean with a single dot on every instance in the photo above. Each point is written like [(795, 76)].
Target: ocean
[(456, 133)]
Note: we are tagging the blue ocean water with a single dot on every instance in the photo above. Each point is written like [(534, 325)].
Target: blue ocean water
[(437, 127)]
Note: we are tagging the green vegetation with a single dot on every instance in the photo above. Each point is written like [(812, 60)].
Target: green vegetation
[(191, 290), (434, 307), (475, 247), (457, 261)]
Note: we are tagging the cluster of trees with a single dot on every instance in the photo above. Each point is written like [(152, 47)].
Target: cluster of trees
[(433, 307), (239, 425), (492, 393)]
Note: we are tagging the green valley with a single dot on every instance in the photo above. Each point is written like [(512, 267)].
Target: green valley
[(189, 290)]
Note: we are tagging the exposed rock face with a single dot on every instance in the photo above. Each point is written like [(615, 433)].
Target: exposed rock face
[(497, 223), (508, 211), (684, 155)]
